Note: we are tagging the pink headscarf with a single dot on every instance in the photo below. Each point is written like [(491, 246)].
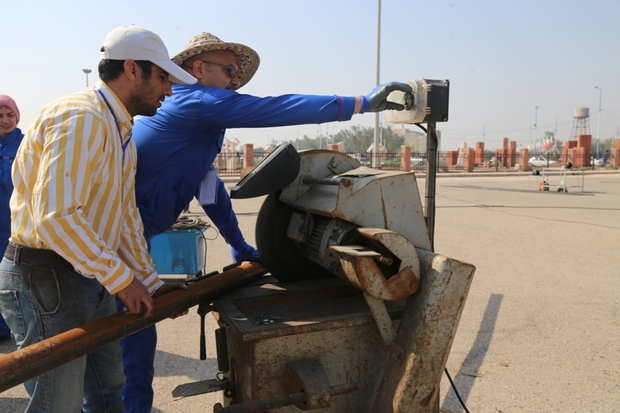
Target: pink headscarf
[(7, 102)]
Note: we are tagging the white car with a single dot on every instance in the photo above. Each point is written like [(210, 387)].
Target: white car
[(540, 161), (416, 160)]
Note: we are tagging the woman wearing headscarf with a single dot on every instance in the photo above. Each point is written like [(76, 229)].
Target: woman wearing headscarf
[(10, 138)]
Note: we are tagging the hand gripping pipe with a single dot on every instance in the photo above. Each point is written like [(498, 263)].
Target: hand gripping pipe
[(29, 362)]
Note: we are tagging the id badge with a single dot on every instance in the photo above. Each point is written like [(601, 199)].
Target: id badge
[(208, 189)]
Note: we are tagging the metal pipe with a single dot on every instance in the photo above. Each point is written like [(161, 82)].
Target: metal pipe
[(31, 361), (320, 181), (326, 181), (431, 178), (375, 163), (383, 259), (598, 128)]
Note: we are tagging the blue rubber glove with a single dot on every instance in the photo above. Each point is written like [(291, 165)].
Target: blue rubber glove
[(239, 249), (376, 100)]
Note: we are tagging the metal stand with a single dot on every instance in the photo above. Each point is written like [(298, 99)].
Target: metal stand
[(431, 179)]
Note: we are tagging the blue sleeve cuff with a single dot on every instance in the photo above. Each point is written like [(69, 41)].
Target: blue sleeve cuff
[(365, 105), (347, 106)]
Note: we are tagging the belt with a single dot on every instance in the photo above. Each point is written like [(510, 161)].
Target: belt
[(19, 253)]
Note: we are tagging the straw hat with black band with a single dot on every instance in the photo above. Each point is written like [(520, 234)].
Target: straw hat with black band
[(247, 58)]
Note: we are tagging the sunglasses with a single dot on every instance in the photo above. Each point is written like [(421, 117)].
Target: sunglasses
[(229, 69)]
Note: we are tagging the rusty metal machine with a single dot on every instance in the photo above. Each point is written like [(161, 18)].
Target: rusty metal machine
[(359, 313)]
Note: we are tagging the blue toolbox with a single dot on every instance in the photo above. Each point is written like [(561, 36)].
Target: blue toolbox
[(180, 251)]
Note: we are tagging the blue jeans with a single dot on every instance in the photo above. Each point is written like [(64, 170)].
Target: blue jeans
[(39, 302), (138, 362)]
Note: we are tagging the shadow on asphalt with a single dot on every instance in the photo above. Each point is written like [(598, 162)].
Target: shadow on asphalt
[(13, 404), (169, 364), (466, 376)]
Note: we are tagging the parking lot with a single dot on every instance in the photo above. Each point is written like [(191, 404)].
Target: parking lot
[(540, 331)]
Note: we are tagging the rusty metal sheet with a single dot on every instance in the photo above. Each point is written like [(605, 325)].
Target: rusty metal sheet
[(198, 387), (317, 164), (413, 370), (379, 199), (382, 318), (297, 308), (310, 378)]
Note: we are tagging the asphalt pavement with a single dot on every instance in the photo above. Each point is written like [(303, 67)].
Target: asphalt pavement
[(540, 331)]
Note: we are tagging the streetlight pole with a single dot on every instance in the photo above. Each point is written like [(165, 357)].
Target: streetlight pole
[(86, 71), (326, 136), (536, 122), (555, 135), (535, 127), (375, 146), (598, 128)]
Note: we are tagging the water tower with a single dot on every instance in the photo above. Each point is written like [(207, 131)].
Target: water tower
[(579, 147), (581, 122)]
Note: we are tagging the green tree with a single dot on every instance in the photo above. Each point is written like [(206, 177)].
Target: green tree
[(359, 139), (393, 141), (606, 144)]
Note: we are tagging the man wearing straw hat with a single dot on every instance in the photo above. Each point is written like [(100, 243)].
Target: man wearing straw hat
[(177, 148)]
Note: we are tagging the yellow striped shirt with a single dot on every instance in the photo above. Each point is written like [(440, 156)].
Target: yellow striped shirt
[(74, 190)]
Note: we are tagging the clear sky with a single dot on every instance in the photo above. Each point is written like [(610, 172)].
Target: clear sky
[(503, 58)]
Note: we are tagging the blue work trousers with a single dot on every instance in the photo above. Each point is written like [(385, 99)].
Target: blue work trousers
[(138, 362), (40, 301), (5, 331)]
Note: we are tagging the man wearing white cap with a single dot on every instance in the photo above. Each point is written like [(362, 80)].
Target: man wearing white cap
[(76, 234)]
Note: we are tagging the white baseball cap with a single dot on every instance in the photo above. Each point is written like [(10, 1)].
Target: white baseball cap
[(135, 43)]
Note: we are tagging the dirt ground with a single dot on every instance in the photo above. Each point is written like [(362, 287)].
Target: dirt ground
[(540, 331)]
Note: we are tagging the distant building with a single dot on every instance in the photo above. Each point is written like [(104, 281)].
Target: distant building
[(415, 139)]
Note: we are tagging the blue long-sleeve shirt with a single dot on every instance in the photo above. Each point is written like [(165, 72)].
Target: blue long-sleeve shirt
[(177, 146), (8, 148)]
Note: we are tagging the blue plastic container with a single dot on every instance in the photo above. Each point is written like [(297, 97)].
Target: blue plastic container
[(179, 251)]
